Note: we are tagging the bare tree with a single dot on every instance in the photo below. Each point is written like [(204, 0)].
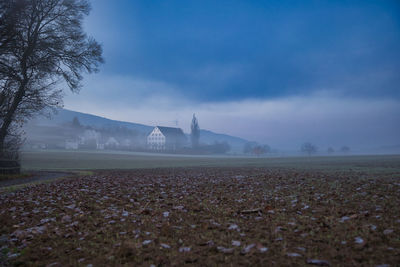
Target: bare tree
[(255, 148), (308, 148), (345, 149), (43, 49), (10, 12), (75, 123), (195, 132), (249, 147)]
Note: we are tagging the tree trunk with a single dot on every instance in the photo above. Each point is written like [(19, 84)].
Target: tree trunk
[(8, 118), (2, 98)]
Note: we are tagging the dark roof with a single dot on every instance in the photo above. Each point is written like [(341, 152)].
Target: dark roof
[(171, 132)]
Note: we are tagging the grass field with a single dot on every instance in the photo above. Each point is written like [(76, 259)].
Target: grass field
[(206, 211), (86, 160)]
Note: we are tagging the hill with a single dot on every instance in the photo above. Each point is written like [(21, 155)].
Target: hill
[(56, 124), (64, 116)]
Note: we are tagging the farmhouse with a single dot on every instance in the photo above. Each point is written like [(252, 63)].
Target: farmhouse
[(112, 143), (71, 144), (166, 138)]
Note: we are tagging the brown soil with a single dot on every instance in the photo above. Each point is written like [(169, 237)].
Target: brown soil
[(205, 217)]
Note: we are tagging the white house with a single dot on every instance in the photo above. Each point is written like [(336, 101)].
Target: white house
[(71, 144), (112, 143), (89, 135), (100, 146), (39, 146), (166, 138)]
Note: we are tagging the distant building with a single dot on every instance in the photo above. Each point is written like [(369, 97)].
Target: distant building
[(71, 144), (100, 146), (126, 143), (39, 146), (112, 143), (166, 138), (89, 135)]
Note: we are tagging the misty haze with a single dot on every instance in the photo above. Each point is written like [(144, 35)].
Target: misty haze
[(205, 133)]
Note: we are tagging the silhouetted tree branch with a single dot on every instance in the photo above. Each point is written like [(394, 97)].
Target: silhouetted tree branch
[(42, 47), (308, 148)]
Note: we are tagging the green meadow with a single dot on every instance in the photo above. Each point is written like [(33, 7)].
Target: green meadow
[(93, 160)]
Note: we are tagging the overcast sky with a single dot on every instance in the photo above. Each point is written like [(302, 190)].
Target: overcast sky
[(277, 72)]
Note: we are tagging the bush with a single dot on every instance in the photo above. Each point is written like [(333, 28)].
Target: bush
[(8, 166), (9, 156)]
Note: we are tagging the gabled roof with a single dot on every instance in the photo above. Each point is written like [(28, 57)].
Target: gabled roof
[(171, 132)]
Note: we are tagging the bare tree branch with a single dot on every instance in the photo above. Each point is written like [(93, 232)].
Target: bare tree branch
[(42, 47)]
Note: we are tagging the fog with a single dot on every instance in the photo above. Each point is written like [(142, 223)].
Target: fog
[(275, 73), (199, 132), (364, 123)]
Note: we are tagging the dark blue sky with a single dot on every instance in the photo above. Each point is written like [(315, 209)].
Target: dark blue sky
[(229, 50), (277, 72)]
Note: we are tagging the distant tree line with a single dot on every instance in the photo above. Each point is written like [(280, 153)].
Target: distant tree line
[(310, 149), (343, 149), (199, 148), (256, 149), (118, 132)]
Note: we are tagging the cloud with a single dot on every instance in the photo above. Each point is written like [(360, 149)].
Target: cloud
[(255, 50), (321, 117)]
